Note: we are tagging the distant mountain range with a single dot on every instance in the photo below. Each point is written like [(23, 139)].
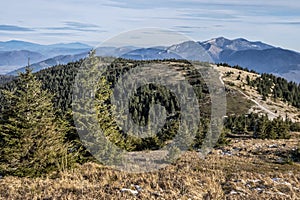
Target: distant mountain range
[(15, 45), (14, 54), (19, 57), (258, 56), (57, 60)]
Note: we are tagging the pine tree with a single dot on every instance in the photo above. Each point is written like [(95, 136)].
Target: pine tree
[(261, 128), (248, 80), (104, 113), (282, 128), (270, 132), (93, 113), (32, 138)]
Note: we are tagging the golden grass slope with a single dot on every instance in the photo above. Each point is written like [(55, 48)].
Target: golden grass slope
[(246, 169), (273, 108)]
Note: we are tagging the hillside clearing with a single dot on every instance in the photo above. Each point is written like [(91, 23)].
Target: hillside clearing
[(236, 79)]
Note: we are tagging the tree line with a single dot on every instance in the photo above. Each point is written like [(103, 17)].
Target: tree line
[(269, 85), (258, 126), (275, 87), (37, 128)]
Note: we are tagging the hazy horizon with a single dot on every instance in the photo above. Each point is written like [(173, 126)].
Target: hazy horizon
[(91, 22), (92, 45)]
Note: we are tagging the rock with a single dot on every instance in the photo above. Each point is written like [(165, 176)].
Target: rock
[(134, 192), (138, 188), (255, 181), (233, 192), (226, 153), (273, 146), (276, 179)]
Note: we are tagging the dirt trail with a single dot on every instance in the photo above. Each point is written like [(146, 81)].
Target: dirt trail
[(271, 114)]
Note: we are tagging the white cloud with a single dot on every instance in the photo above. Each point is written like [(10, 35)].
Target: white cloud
[(273, 21)]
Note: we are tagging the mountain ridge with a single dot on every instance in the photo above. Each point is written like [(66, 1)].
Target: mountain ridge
[(258, 56), (24, 45)]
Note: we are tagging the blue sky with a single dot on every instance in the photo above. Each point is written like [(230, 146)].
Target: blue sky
[(92, 21)]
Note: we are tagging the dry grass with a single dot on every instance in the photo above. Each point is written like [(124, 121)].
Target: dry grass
[(246, 169), (92, 181)]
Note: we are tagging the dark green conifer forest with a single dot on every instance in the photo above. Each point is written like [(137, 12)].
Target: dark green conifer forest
[(38, 134)]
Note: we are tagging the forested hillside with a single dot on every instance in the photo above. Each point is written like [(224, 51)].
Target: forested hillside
[(38, 137), (269, 85), (59, 82)]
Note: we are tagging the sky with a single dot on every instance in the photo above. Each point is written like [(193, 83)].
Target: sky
[(276, 22)]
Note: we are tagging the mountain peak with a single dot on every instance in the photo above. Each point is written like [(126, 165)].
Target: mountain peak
[(234, 45), (18, 42), (241, 39), (216, 40)]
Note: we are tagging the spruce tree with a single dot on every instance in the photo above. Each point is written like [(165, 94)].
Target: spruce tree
[(261, 127), (32, 138)]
